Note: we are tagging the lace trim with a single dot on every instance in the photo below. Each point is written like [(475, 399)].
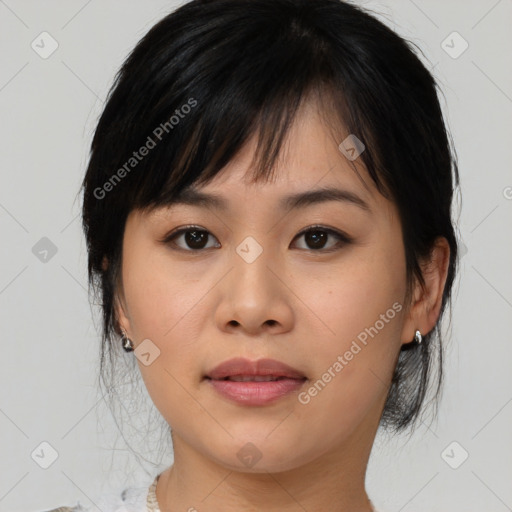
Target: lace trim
[(151, 502)]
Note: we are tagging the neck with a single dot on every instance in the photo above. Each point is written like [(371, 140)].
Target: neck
[(332, 482)]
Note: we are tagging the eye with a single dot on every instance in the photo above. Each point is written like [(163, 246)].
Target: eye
[(194, 237), (316, 238)]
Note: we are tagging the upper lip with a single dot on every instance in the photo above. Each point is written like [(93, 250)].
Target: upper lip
[(241, 366)]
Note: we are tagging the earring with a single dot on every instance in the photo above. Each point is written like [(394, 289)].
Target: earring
[(126, 342), (418, 337)]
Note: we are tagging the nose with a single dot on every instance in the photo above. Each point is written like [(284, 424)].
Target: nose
[(254, 296)]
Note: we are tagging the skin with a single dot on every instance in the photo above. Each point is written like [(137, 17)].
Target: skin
[(294, 303)]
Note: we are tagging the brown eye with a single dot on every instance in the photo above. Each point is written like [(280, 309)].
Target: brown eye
[(317, 237), (194, 238)]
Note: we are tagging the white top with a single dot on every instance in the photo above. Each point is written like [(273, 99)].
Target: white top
[(132, 499)]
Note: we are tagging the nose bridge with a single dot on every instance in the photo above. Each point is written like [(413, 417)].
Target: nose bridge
[(251, 261), (252, 297)]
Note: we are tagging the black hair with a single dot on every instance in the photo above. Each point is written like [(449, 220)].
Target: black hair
[(214, 73)]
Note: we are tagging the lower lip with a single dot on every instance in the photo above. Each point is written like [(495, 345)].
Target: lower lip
[(256, 393)]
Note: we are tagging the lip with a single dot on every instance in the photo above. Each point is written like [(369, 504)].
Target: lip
[(241, 366), (255, 392)]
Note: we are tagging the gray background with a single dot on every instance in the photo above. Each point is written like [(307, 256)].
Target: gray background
[(49, 340)]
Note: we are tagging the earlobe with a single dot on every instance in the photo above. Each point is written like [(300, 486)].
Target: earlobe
[(426, 306), (122, 322)]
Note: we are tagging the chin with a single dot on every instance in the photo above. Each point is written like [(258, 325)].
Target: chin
[(255, 454)]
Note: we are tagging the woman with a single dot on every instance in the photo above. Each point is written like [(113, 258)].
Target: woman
[(267, 210)]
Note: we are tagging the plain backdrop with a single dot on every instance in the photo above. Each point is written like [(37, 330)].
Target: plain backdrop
[(50, 338)]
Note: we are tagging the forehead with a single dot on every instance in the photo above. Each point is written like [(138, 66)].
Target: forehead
[(310, 159), (311, 169)]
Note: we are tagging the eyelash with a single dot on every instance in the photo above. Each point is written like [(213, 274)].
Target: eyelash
[(343, 239)]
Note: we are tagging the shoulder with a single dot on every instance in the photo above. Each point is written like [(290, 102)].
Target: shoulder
[(76, 508), (129, 499)]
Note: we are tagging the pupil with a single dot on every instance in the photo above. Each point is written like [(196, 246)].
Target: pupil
[(317, 238), (194, 238)]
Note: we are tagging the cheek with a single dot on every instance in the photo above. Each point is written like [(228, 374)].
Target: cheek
[(355, 334), (165, 306), (160, 296), (348, 298), (168, 303)]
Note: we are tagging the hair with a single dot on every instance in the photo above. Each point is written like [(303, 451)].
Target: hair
[(215, 73)]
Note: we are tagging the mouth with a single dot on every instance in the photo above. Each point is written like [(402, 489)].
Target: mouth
[(259, 370), (254, 383), (253, 378)]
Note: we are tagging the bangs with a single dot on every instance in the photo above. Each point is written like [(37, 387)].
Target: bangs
[(197, 112)]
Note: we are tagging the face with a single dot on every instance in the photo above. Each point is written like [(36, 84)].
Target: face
[(247, 281)]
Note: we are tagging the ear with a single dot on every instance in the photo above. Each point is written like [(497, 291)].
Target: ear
[(121, 315), (425, 307)]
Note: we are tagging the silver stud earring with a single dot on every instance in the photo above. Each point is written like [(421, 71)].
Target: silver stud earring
[(126, 342), (418, 337)]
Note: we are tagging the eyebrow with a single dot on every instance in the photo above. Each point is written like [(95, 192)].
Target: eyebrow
[(194, 197)]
